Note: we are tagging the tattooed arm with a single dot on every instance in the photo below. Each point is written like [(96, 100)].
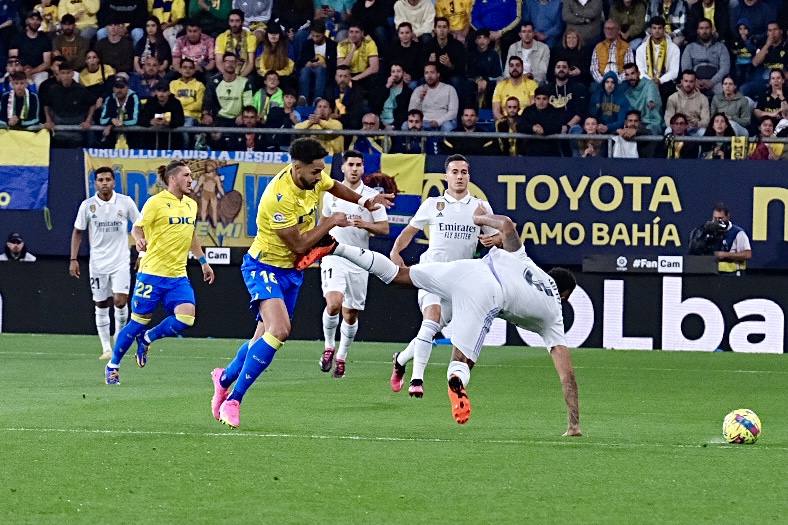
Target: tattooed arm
[(505, 226), (563, 365)]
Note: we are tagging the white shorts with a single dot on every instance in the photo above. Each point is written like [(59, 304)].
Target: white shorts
[(105, 285), (474, 296), (336, 276)]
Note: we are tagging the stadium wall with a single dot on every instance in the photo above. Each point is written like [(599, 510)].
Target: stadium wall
[(703, 313)]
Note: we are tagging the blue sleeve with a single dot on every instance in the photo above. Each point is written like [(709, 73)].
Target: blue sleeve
[(133, 115)]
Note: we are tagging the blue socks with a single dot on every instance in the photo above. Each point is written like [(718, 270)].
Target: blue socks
[(169, 327), (258, 357), (234, 368), (124, 340)]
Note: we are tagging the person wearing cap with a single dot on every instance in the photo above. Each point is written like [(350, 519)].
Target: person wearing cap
[(12, 66), (33, 48), (19, 108), (69, 43), (162, 111), (84, 15), (120, 110), (542, 119), (16, 250)]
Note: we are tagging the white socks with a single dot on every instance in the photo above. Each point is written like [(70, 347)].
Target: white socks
[(330, 323), (461, 370), (422, 348), (406, 355), (347, 334), (102, 327), (121, 318), (375, 263)]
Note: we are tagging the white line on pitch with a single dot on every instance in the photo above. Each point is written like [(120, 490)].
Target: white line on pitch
[(275, 435)]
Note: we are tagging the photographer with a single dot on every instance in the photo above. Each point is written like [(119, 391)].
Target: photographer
[(723, 239)]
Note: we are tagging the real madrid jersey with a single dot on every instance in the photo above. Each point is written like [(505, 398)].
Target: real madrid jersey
[(350, 234), (107, 225), (452, 233)]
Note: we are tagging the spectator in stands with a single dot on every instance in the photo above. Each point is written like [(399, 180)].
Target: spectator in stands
[(153, 44), (395, 106), (290, 114), (370, 145), (772, 101), (116, 48), (269, 96), (408, 52), (68, 103), (714, 10), (226, 95), (129, 14), (336, 13), (411, 144), (16, 250), (360, 53), (516, 85), (239, 41), (212, 17), (19, 108), (468, 145), (317, 63), (590, 147), (568, 97), (534, 54), (97, 76), (541, 119), (576, 54), (585, 17), (190, 92), (33, 48), (420, 14), (689, 101), (249, 141), (348, 100), (436, 100), (120, 110), (484, 68), (162, 111), (43, 89), (742, 50), (757, 13), (546, 18), (609, 104), (624, 145), (84, 14), (509, 123), (12, 66), (197, 47), (373, 16), (630, 15), (734, 105), (171, 15), (321, 119), (709, 59), (718, 127), (658, 58), (773, 54), (674, 13), (257, 14), (611, 54), (69, 44), (643, 96), (762, 151), (143, 84), (279, 118), (275, 57), (674, 147), (295, 16), (457, 14), (450, 56), (49, 16)]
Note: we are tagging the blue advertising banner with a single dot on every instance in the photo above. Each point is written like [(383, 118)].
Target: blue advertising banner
[(24, 170), (567, 208)]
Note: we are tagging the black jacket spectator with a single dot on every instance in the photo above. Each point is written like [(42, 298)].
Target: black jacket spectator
[(308, 53), (457, 55), (722, 23), (119, 55), (171, 113), (485, 64), (410, 58), (550, 121), (132, 12)]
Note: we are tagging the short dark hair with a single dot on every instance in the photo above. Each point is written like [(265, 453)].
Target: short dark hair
[(634, 112), (405, 24), (721, 206), (238, 12), (104, 169), (343, 67), (352, 154), (526, 24), (229, 54), (19, 75), (418, 112), (191, 22), (249, 109), (483, 32), (68, 19), (656, 21), (687, 72), (712, 23), (454, 158), (435, 65), (357, 24), (677, 116), (441, 19), (66, 65), (318, 26), (307, 150), (269, 73), (187, 59), (564, 279), (514, 57), (631, 65)]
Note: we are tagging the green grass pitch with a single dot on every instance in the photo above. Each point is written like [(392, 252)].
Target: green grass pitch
[(315, 450)]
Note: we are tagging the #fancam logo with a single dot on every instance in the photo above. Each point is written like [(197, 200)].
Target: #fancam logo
[(621, 263)]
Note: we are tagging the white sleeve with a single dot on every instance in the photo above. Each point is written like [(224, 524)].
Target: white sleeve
[(81, 222), (133, 212), (742, 242), (379, 214), (422, 217), (488, 230), (326, 211)]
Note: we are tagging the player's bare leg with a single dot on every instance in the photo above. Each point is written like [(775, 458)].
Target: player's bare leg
[(330, 323), (459, 375), (563, 365)]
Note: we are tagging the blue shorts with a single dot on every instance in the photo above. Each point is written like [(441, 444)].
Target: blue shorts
[(270, 282), (150, 290)]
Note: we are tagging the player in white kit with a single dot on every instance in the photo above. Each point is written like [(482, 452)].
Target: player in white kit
[(106, 216), (344, 283), (452, 236), (505, 283)]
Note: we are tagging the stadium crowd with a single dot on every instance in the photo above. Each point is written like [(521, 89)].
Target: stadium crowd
[(540, 67)]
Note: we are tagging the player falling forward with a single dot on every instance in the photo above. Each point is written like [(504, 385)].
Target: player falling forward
[(505, 283), (165, 232), (287, 241), (345, 284), (453, 236), (106, 215)]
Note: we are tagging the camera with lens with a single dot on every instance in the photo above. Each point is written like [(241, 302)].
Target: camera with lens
[(706, 239)]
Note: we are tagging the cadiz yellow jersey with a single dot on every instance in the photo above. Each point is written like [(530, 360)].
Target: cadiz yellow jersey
[(168, 224), (283, 205), (457, 11)]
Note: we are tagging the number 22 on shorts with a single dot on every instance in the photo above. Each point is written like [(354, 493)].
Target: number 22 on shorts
[(142, 290)]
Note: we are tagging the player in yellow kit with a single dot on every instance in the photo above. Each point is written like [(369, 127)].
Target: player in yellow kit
[(165, 233), (287, 239)]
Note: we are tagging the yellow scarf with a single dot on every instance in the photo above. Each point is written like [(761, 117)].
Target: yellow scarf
[(739, 147), (656, 72)]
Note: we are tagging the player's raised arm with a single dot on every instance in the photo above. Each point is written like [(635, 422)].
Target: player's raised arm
[(563, 365), (505, 226), (340, 191), (196, 249), (300, 243)]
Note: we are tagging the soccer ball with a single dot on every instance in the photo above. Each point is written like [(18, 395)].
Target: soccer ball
[(742, 426)]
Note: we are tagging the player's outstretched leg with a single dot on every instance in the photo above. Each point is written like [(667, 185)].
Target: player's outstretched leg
[(169, 327), (134, 328), (459, 374), (375, 263), (422, 348), (347, 335), (223, 378), (121, 318)]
